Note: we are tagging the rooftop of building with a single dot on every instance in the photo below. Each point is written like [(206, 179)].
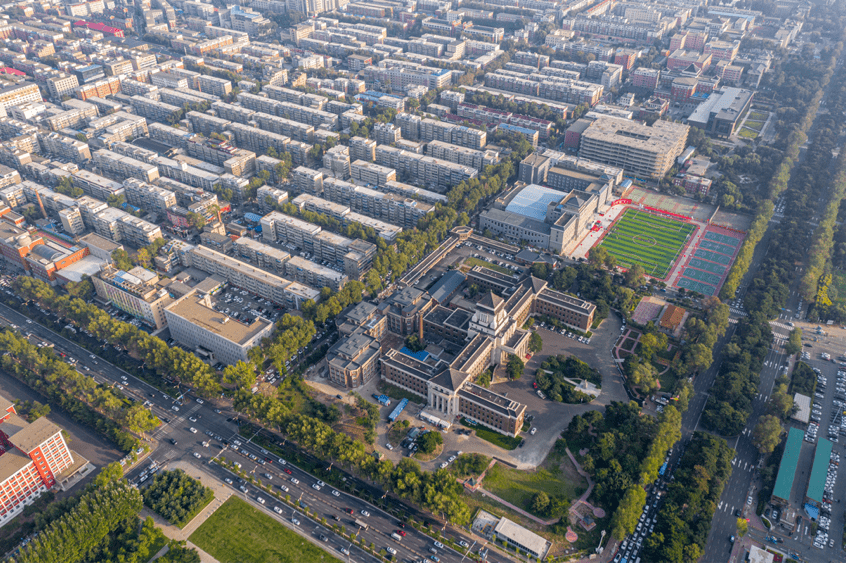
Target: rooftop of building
[(533, 200), (197, 309), (661, 137), (518, 220), (526, 538)]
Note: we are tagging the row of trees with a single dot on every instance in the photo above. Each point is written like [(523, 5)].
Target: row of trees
[(685, 517), (87, 401), (780, 178), (176, 497), (175, 362), (75, 535), (730, 401), (813, 285)]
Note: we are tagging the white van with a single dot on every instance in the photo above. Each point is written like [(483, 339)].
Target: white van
[(396, 536)]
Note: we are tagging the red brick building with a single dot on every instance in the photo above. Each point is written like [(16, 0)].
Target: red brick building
[(32, 458)]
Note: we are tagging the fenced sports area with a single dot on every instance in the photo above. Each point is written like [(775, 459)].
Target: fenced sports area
[(706, 269), (652, 241)]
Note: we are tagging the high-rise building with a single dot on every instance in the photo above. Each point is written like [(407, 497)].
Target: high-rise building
[(34, 457)]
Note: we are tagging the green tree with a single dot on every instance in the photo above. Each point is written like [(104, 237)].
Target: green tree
[(634, 276), (535, 343), (121, 259), (242, 375), (116, 200), (110, 473), (429, 441), (196, 220), (767, 433), (540, 503), (626, 516), (413, 343), (514, 367), (794, 342)]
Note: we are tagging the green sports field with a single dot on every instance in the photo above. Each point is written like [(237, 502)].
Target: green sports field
[(650, 240)]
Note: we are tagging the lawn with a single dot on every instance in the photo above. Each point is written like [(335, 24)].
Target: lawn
[(758, 116), (495, 438), (470, 261), (748, 133), (652, 241), (754, 125), (238, 533), (556, 476), (399, 394)]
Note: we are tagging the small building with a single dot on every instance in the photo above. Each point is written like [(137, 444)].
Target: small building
[(787, 468), (803, 408), (517, 536), (819, 472)]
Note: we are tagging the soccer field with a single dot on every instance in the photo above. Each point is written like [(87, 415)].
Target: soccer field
[(650, 240)]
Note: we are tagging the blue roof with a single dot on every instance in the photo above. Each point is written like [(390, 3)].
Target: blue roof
[(533, 200), (422, 355), (252, 217), (509, 127)]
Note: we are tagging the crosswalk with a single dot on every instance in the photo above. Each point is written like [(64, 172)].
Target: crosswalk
[(737, 463), (738, 312), (776, 324), (168, 428), (762, 397)]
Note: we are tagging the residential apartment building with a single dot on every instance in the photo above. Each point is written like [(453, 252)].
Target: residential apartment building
[(426, 170), (147, 196), (262, 255), (395, 209), (215, 86), (58, 145), (96, 186), (19, 94), (135, 292), (314, 275), (354, 360), (124, 167), (242, 275), (154, 110), (371, 173)]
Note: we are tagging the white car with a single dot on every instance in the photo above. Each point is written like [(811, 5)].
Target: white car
[(295, 481), (260, 500), (390, 447), (365, 513), (200, 401), (316, 487), (193, 430), (284, 488), (335, 493), (198, 456), (295, 521), (174, 408), (532, 431), (320, 483), (192, 419), (443, 465), (277, 510), (439, 545)]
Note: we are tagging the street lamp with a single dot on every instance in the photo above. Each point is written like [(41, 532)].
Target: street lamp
[(601, 537)]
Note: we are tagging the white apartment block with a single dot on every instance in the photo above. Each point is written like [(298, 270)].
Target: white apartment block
[(124, 167)]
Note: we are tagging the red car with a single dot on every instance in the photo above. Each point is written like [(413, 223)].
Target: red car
[(400, 532), (286, 470), (350, 510), (535, 384)]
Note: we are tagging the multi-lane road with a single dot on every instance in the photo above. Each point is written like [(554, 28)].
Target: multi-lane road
[(207, 419)]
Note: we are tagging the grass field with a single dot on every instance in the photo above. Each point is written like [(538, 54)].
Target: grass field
[(238, 533), (556, 477), (754, 125), (649, 240), (758, 116), (747, 133), (471, 261), (495, 438)]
